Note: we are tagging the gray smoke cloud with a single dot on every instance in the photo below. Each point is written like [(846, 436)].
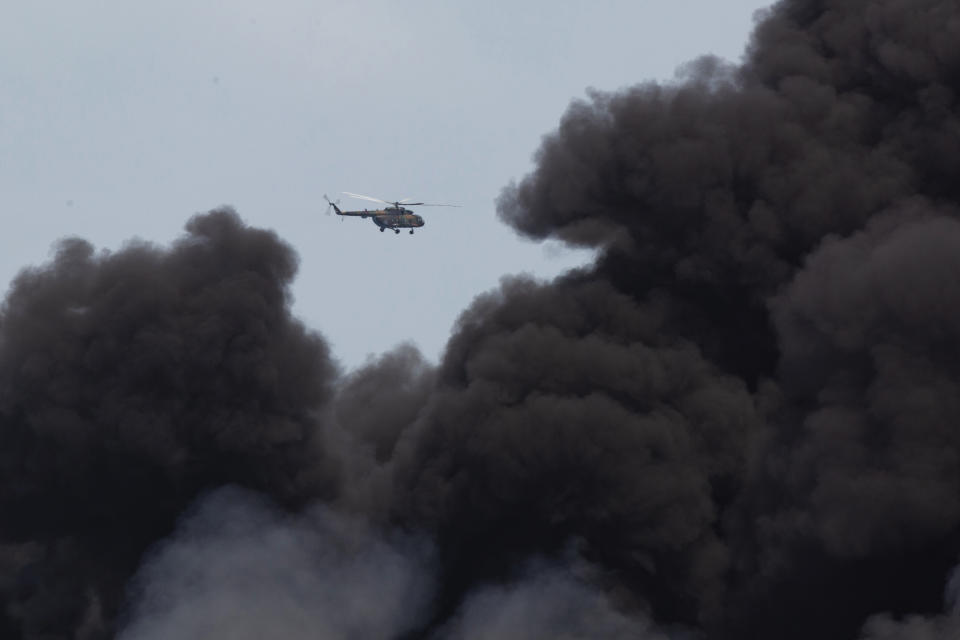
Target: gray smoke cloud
[(239, 567), (546, 603)]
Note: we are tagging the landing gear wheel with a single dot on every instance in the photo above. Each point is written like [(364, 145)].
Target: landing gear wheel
[(411, 231), (396, 230), (381, 229)]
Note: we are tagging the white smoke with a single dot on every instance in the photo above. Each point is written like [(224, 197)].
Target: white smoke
[(549, 602), (239, 568)]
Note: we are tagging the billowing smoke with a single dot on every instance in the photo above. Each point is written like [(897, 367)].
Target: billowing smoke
[(742, 421), (566, 412), (238, 567), (546, 603), (129, 383)]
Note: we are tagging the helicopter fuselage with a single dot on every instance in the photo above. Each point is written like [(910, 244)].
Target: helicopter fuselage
[(395, 218)]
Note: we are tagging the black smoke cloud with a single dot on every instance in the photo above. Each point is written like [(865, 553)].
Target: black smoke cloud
[(130, 382), (794, 218), (740, 422), (561, 415)]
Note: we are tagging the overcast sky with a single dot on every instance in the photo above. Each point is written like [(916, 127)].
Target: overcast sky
[(121, 120)]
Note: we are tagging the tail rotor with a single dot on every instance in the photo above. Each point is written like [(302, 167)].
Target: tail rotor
[(332, 205)]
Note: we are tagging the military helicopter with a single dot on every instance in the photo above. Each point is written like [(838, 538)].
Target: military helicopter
[(394, 216)]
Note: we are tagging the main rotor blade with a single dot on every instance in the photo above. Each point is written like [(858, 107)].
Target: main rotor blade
[(357, 195), (422, 204), (397, 203)]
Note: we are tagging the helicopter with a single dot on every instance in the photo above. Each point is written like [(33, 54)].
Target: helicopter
[(394, 216)]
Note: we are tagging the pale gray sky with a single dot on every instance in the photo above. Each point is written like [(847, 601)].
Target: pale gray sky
[(120, 120)]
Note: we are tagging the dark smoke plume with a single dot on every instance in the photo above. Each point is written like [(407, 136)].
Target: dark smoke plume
[(131, 381), (741, 422), (561, 415), (746, 411)]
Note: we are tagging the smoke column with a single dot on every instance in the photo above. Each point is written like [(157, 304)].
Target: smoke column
[(746, 412), (129, 383), (742, 421)]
